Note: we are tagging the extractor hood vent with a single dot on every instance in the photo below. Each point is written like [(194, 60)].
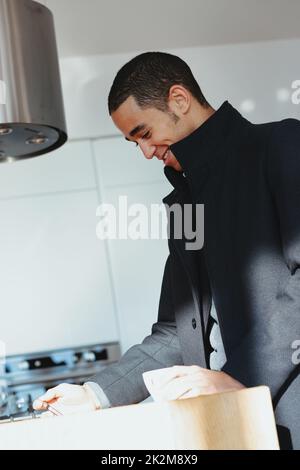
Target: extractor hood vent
[(32, 120)]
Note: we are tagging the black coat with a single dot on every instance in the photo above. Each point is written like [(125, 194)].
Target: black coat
[(248, 178)]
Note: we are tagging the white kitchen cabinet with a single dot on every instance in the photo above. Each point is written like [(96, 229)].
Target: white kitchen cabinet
[(137, 268), (137, 265), (69, 168), (122, 163), (54, 277)]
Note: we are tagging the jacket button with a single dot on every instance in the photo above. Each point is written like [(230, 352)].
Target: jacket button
[(194, 323)]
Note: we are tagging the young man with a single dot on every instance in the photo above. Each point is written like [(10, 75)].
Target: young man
[(229, 314)]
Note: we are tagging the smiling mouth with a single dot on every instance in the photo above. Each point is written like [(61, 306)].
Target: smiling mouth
[(165, 156)]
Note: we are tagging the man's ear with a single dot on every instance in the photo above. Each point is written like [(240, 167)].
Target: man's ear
[(179, 99)]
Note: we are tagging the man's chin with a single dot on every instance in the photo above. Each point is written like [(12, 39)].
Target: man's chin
[(175, 166)]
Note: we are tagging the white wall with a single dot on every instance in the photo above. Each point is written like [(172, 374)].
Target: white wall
[(137, 265), (54, 271), (240, 72), (56, 289)]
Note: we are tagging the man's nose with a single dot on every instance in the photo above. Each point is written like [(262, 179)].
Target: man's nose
[(148, 150)]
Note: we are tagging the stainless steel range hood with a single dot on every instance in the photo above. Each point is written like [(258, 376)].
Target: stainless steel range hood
[(32, 120)]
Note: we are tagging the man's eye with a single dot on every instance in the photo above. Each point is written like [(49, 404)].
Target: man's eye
[(146, 136)]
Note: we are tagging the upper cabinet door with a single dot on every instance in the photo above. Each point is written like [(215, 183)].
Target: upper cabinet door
[(55, 286), (66, 169), (121, 163)]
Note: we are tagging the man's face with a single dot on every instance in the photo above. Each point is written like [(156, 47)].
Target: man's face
[(153, 130)]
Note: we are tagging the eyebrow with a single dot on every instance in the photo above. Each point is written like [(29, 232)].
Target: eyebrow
[(137, 129)]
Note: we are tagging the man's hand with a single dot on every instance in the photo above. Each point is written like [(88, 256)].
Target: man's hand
[(67, 399), (180, 382)]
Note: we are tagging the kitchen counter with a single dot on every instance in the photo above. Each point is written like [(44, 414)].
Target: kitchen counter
[(232, 420)]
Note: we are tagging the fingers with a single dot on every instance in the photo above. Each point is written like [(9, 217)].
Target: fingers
[(49, 397), (162, 377), (39, 405), (193, 393), (181, 387), (65, 399), (53, 393), (197, 382)]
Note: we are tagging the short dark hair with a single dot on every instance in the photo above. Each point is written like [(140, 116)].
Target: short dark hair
[(148, 77)]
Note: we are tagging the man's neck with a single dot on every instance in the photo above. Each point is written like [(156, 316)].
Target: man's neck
[(199, 115)]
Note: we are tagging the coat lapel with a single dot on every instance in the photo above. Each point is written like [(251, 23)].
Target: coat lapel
[(189, 278)]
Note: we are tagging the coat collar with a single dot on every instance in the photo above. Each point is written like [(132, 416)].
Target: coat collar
[(179, 183), (199, 152)]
